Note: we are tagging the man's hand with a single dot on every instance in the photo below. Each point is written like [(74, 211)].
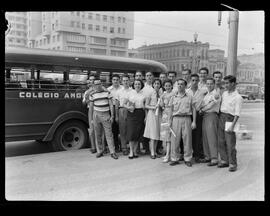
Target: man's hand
[(116, 119), (111, 119), (193, 125), (230, 129)]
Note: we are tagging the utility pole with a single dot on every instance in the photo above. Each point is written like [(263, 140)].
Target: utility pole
[(232, 44), (233, 39)]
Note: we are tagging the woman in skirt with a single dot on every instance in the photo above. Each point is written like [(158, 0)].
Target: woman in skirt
[(165, 134), (153, 119), (135, 104)]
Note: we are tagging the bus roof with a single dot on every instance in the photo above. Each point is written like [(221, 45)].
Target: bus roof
[(64, 58)]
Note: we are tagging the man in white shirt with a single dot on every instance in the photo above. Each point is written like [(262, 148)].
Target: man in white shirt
[(230, 108), (217, 75), (197, 98), (115, 127), (210, 109), (186, 73), (172, 77), (203, 73), (121, 112)]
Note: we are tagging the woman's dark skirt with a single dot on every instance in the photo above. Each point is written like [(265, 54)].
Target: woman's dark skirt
[(135, 125)]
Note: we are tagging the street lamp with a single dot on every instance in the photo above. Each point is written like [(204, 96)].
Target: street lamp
[(194, 62)]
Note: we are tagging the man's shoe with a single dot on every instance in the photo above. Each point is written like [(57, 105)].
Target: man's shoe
[(188, 163), (135, 156), (233, 168), (114, 156), (93, 151), (222, 165), (125, 152), (100, 154), (173, 163), (204, 160), (212, 164)]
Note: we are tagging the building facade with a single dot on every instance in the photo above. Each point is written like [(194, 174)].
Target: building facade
[(249, 72), (104, 33), (177, 55), (217, 61), (17, 35)]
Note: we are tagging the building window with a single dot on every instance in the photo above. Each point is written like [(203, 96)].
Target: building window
[(124, 19), (90, 27), (83, 26), (105, 18), (83, 14), (56, 23), (112, 19), (78, 13), (71, 23), (78, 25), (53, 39), (104, 28), (97, 28), (98, 17), (58, 38), (40, 42), (111, 29), (119, 30), (90, 16), (119, 19), (124, 31), (52, 26)]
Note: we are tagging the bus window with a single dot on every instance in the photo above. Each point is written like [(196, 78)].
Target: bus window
[(50, 79), (105, 78), (17, 78)]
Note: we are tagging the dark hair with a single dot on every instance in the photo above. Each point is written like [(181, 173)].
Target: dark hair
[(156, 79), (167, 81), (163, 73), (189, 71), (115, 75), (142, 84), (210, 78), (216, 72), (194, 75), (148, 72), (139, 72), (125, 75), (204, 68), (182, 80), (174, 72), (230, 78)]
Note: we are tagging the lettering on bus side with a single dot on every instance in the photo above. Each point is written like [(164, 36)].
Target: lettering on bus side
[(56, 95)]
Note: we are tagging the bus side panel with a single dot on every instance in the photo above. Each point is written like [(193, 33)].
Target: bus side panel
[(29, 117)]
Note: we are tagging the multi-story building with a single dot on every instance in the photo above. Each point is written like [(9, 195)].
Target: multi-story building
[(17, 35), (217, 61), (177, 55), (105, 33), (249, 72)]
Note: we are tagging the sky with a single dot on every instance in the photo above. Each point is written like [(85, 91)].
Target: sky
[(155, 27)]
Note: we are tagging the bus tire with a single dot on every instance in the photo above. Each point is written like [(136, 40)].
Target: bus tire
[(71, 135)]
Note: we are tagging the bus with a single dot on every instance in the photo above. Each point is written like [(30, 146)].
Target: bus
[(250, 91), (44, 90)]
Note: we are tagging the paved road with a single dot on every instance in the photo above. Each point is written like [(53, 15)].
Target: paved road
[(78, 175)]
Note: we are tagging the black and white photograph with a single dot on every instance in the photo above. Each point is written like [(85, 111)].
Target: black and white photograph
[(135, 105)]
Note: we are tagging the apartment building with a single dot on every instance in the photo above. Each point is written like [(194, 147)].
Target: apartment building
[(95, 32), (17, 35), (217, 61)]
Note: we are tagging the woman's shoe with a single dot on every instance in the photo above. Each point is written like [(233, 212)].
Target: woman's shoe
[(165, 160), (153, 156), (130, 157)]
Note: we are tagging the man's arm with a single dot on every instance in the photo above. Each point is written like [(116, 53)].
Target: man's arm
[(111, 109), (91, 110)]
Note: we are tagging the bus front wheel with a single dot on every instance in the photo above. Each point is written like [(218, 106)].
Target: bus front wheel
[(70, 135)]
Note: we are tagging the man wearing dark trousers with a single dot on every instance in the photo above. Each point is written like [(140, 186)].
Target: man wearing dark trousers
[(197, 98), (230, 108), (115, 126)]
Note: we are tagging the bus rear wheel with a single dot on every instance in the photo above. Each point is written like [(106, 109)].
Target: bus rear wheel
[(70, 135)]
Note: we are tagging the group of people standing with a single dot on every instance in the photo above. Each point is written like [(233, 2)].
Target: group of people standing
[(192, 117)]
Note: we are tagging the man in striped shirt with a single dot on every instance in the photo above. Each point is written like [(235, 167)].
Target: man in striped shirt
[(101, 114)]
